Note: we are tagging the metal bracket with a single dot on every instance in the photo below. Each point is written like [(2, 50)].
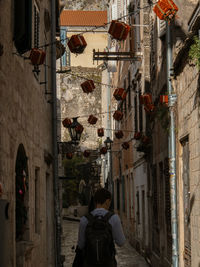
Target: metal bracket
[(172, 99)]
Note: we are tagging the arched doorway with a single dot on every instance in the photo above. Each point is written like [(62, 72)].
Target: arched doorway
[(21, 183)]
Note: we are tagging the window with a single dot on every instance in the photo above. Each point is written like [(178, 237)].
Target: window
[(125, 109), (36, 26), (36, 40), (138, 206), (136, 113), (129, 90), (22, 25)]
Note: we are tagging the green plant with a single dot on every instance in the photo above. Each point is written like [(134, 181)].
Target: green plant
[(162, 115), (194, 52)]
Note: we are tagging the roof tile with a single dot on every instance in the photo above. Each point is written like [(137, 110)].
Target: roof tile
[(83, 18)]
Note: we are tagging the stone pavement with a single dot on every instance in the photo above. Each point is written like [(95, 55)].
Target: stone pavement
[(126, 255)]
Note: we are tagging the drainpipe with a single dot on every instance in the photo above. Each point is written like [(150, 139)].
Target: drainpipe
[(54, 126), (172, 151)]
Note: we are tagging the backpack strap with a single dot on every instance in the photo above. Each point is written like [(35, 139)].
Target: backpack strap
[(108, 215), (90, 217)]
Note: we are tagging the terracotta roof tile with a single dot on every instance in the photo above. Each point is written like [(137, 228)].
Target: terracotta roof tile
[(83, 18)]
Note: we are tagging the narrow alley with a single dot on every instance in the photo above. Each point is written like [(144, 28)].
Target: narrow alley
[(126, 255)]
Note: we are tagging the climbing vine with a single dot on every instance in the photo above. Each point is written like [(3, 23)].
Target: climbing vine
[(194, 52)]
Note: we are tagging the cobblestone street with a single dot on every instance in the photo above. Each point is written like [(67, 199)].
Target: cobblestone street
[(126, 255)]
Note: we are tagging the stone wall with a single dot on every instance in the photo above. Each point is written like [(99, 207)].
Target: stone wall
[(26, 118)]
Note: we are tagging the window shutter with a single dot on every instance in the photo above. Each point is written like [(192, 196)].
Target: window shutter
[(114, 12), (161, 28), (23, 25)]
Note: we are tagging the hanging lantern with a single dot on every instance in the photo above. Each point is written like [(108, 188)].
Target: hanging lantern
[(119, 134), (75, 130), (149, 108), (119, 30), (119, 94), (37, 56), (147, 99), (164, 99), (125, 145), (79, 129), (77, 44), (137, 135), (145, 140), (69, 155), (88, 86), (86, 153), (66, 122), (118, 115), (92, 119), (103, 150), (165, 9), (100, 132)]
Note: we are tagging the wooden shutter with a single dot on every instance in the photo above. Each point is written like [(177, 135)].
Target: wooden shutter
[(23, 25), (186, 199)]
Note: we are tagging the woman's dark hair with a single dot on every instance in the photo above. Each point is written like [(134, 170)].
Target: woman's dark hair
[(101, 195)]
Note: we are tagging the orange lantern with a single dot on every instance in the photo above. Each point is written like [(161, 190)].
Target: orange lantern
[(100, 132), (86, 153), (118, 115), (149, 108), (119, 94), (103, 150), (147, 99), (66, 122), (137, 135), (164, 99), (37, 56), (145, 140), (92, 119), (165, 9), (119, 30), (125, 145), (69, 155), (77, 44), (79, 128), (119, 134), (88, 86)]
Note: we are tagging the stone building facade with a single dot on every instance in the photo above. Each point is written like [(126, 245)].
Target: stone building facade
[(74, 102), (26, 144)]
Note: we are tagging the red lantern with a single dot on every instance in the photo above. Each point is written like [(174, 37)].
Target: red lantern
[(125, 145), (118, 115), (86, 153), (103, 150), (165, 9), (119, 94), (119, 30), (37, 56), (119, 134), (100, 132), (69, 155), (79, 128), (92, 119), (137, 135), (149, 108), (66, 122), (145, 140), (147, 98), (164, 99), (77, 44), (88, 86)]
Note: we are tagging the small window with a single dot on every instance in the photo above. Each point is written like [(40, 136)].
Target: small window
[(22, 25)]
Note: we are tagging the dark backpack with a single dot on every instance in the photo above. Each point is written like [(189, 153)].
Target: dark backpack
[(99, 246)]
